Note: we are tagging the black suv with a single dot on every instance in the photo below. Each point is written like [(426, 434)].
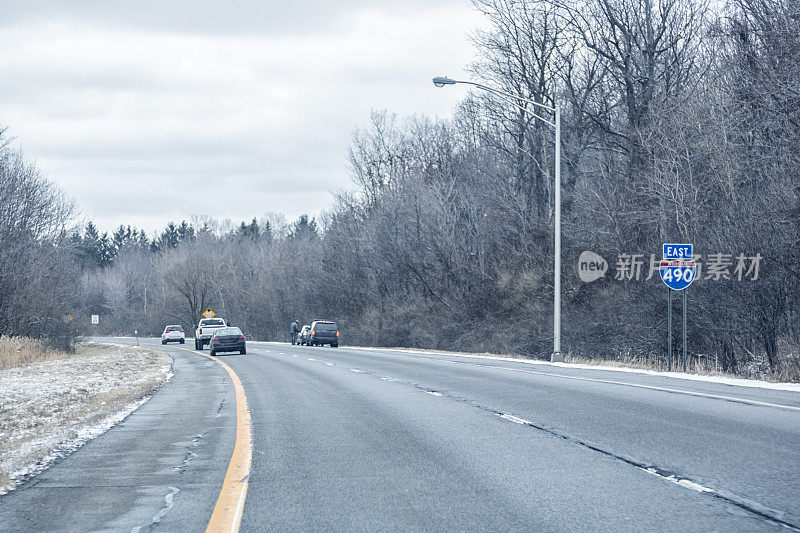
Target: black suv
[(324, 332)]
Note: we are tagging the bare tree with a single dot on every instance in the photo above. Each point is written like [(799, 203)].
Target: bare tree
[(37, 282)]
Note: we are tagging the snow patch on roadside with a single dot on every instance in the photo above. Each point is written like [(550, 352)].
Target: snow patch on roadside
[(83, 435), (50, 409)]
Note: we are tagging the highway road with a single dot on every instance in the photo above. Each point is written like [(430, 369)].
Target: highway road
[(373, 439)]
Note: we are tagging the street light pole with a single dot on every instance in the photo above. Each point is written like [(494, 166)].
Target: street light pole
[(556, 356), (441, 81)]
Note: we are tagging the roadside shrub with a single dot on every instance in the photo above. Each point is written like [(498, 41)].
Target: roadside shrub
[(22, 351)]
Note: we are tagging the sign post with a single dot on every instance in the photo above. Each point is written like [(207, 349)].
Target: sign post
[(677, 270), (684, 331), (669, 329)]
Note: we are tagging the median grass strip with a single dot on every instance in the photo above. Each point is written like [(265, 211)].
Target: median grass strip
[(51, 407)]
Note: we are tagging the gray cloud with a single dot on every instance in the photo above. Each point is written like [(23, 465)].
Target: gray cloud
[(133, 108), (207, 17)]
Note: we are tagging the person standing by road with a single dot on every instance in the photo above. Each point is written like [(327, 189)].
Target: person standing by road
[(294, 329)]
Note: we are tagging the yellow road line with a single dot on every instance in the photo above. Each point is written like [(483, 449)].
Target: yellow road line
[(227, 513)]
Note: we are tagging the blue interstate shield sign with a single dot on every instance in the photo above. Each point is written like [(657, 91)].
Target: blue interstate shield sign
[(677, 274)]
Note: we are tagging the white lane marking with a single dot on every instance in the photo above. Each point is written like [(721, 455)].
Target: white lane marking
[(293, 355), (239, 507), (691, 485), (329, 364), (653, 387), (311, 359), (683, 482), (735, 399), (723, 380), (433, 393), (516, 419), (357, 371)]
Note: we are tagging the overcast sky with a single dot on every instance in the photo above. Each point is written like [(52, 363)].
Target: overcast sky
[(138, 109)]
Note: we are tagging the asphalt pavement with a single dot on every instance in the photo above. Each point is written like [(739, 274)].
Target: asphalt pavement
[(367, 439)]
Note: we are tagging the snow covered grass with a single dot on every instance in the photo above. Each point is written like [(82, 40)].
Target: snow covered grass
[(652, 363), (50, 408), (20, 351), (755, 369)]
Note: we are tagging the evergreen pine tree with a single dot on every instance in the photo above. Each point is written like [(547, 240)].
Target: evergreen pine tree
[(249, 231), (304, 229), (170, 238), (94, 249), (185, 232)]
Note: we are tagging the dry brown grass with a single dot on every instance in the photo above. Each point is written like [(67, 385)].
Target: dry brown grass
[(22, 351), (653, 363)]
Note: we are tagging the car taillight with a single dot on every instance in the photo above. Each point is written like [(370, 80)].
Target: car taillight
[(337, 333), (241, 337), (201, 331), (215, 339), (312, 332)]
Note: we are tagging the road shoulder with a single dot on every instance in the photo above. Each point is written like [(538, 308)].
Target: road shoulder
[(51, 408), (162, 465)]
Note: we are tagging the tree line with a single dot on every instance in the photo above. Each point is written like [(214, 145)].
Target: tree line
[(38, 275), (681, 123), (144, 284)]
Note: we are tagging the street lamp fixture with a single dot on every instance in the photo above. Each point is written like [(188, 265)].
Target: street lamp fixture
[(441, 81)]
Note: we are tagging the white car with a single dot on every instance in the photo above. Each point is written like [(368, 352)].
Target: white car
[(205, 330), (173, 334), (302, 337)]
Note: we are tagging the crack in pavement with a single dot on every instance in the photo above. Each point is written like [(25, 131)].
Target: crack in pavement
[(168, 499), (188, 456)]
